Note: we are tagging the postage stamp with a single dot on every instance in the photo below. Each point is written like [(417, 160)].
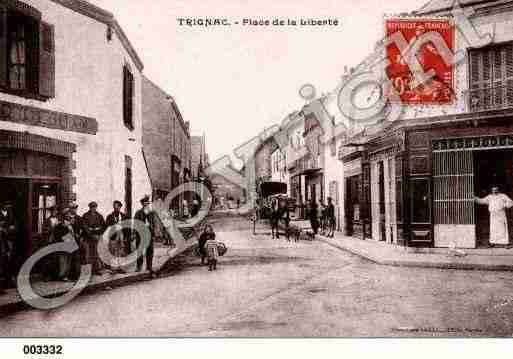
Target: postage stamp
[(425, 42)]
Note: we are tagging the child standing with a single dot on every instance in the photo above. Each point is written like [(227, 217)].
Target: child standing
[(211, 248)]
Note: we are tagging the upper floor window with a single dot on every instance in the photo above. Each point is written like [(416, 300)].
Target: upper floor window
[(128, 98), (27, 52), (333, 147), (491, 77)]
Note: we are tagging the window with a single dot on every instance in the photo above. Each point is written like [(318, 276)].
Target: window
[(27, 58), (128, 98), (333, 147), (491, 77), (44, 197), (128, 185)]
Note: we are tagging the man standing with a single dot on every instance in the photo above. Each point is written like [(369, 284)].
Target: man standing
[(7, 235), (146, 216), (195, 208), (313, 216), (65, 232), (78, 231), (497, 203), (118, 241), (94, 225), (330, 218), (284, 215)]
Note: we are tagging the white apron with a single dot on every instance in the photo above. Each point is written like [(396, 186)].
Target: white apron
[(498, 221)]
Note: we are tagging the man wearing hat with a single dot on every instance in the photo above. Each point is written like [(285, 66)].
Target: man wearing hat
[(7, 234), (78, 233), (146, 216), (94, 225), (68, 263), (120, 240)]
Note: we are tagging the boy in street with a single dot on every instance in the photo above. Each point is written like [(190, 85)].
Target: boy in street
[(146, 216)]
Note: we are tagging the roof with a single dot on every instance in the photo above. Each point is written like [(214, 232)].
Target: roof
[(94, 12), (434, 6)]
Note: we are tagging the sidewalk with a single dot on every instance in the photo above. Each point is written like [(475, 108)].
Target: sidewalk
[(496, 259), (11, 301)]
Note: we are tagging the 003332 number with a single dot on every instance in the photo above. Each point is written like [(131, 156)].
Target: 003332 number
[(42, 349)]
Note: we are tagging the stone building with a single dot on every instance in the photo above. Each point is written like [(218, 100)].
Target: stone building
[(166, 140), (70, 112), (420, 174), (199, 159)]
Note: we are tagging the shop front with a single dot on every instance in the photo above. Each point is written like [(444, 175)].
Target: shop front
[(425, 175), (35, 175)]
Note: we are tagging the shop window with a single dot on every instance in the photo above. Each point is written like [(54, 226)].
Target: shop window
[(44, 197), (128, 98), (27, 52)]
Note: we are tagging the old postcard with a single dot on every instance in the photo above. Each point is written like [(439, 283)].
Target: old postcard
[(256, 169)]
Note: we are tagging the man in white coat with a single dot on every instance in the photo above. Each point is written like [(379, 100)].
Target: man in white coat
[(497, 203)]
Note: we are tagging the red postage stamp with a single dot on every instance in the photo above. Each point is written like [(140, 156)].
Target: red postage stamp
[(433, 51)]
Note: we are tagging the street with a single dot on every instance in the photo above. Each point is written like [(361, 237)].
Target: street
[(275, 288)]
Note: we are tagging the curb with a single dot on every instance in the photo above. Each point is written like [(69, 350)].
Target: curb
[(421, 264), (162, 272)]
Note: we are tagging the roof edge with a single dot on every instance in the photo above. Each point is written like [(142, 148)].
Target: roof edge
[(106, 17)]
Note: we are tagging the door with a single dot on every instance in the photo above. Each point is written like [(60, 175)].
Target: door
[(453, 176), (44, 196), (382, 202), (492, 168), (15, 192)]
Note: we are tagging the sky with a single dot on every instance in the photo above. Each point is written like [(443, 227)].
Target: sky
[(231, 82)]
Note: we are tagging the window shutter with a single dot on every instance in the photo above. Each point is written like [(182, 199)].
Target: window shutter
[(475, 60), (508, 54), (46, 60), (131, 100), (128, 95), (3, 45), (498, 74), (125, 96)]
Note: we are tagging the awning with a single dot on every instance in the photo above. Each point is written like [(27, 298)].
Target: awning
[(271, 188)]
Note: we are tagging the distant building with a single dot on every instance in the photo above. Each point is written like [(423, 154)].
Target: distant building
[(225, 190), (166, 140), (199, 157), (70, 112)]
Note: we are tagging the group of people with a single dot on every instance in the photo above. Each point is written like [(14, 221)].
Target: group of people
[(322, 217), (87, 230)]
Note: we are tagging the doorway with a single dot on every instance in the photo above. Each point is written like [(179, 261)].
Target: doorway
[(381, 189), (15, 191), (492, 168)]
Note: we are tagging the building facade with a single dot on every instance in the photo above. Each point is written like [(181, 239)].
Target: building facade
[(70, 111), (166, 141), (420, 174), (199, 160), (279, 171)]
